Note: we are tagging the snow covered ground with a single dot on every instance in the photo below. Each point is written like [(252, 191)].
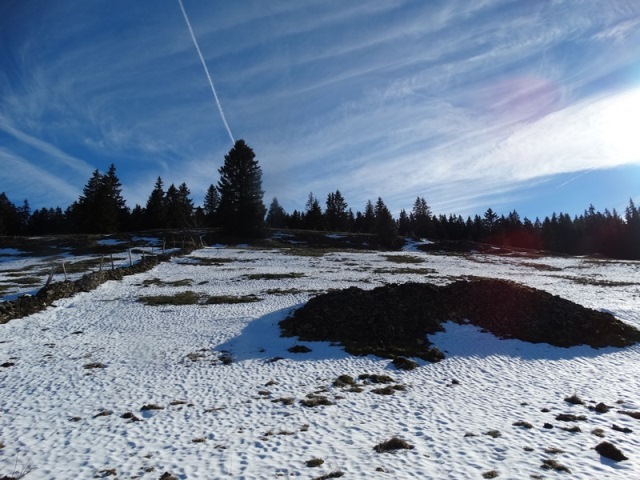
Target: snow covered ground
[(71, 373)]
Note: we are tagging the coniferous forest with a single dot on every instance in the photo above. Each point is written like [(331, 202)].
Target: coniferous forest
[(236, 205)]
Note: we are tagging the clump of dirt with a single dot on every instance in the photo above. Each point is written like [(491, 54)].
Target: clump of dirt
[(610, 451), (394, 320)]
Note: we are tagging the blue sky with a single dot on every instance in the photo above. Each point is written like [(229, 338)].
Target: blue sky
[(531, 105)]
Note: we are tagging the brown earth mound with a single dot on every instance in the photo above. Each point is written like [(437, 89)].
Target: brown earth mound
[(394, 320)]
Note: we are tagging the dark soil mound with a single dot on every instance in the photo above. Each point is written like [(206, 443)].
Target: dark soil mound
[(394, 320)]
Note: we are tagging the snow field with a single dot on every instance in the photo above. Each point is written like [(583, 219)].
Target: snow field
[(219, 420)]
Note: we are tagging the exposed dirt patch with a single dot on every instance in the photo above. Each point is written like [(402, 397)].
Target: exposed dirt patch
[(394, 320)]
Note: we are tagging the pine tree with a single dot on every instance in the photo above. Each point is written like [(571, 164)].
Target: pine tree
[(114, 209), (179, 206), (211, 204), (9, 221), (241, 207), (369, 218), (155, 212), (386, 227), (313, 217), (101, 207), (336, 213), (404, 224), (421, 221), (276, 216)]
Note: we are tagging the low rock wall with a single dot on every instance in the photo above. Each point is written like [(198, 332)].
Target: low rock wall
[(30, 304)]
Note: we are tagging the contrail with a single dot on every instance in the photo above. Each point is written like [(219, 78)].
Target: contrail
[(206, 70)]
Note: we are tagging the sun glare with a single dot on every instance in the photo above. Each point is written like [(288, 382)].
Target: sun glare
[(621, 119)]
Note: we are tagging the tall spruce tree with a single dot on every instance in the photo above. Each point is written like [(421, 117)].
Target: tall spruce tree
[(386, 226), (276, 216), (336, 213), (421, 221), (210, 207), (241, 207), (101, 207), (155, 212), (313, 217)]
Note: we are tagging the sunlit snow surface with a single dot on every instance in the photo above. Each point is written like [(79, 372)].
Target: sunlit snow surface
[(162, 354)]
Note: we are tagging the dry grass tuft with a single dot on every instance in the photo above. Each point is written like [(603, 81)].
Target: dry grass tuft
[(549, 464), (569, 417), (181, 298), (368, 378), (93, 365), (523, 424), (316, 401), (392, 445), (574, 400), (336, 474)]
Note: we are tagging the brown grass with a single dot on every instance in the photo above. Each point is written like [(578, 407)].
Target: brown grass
[(180, 298), (392, 445)]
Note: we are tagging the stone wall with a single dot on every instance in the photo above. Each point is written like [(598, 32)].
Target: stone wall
[(30, 304)]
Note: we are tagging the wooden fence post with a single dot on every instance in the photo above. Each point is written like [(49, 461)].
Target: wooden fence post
[(53, 270)]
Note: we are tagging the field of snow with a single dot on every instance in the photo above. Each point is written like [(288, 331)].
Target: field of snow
[(222, 392)]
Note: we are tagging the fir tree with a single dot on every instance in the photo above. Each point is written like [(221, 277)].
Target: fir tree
[(211, 204), (369, 218), (276, 216), (386, 227), (241, 207), (101, 207), (336, 212), (155, 212), (313, 217), (421, 222)]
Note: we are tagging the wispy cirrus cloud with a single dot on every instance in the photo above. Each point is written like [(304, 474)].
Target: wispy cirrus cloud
[(460, 102)]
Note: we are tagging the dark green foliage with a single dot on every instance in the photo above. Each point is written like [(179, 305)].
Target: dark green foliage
[(100, 208), (313, 217), (336, 214), (241, 208), (276, 216), (179, 207), (385, 226), (210, 207), (155, 212), (420, 219)]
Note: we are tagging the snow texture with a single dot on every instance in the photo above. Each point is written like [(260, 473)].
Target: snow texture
[(230, 390)]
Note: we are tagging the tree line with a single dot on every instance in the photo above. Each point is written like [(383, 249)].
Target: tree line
[(236, 205)]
